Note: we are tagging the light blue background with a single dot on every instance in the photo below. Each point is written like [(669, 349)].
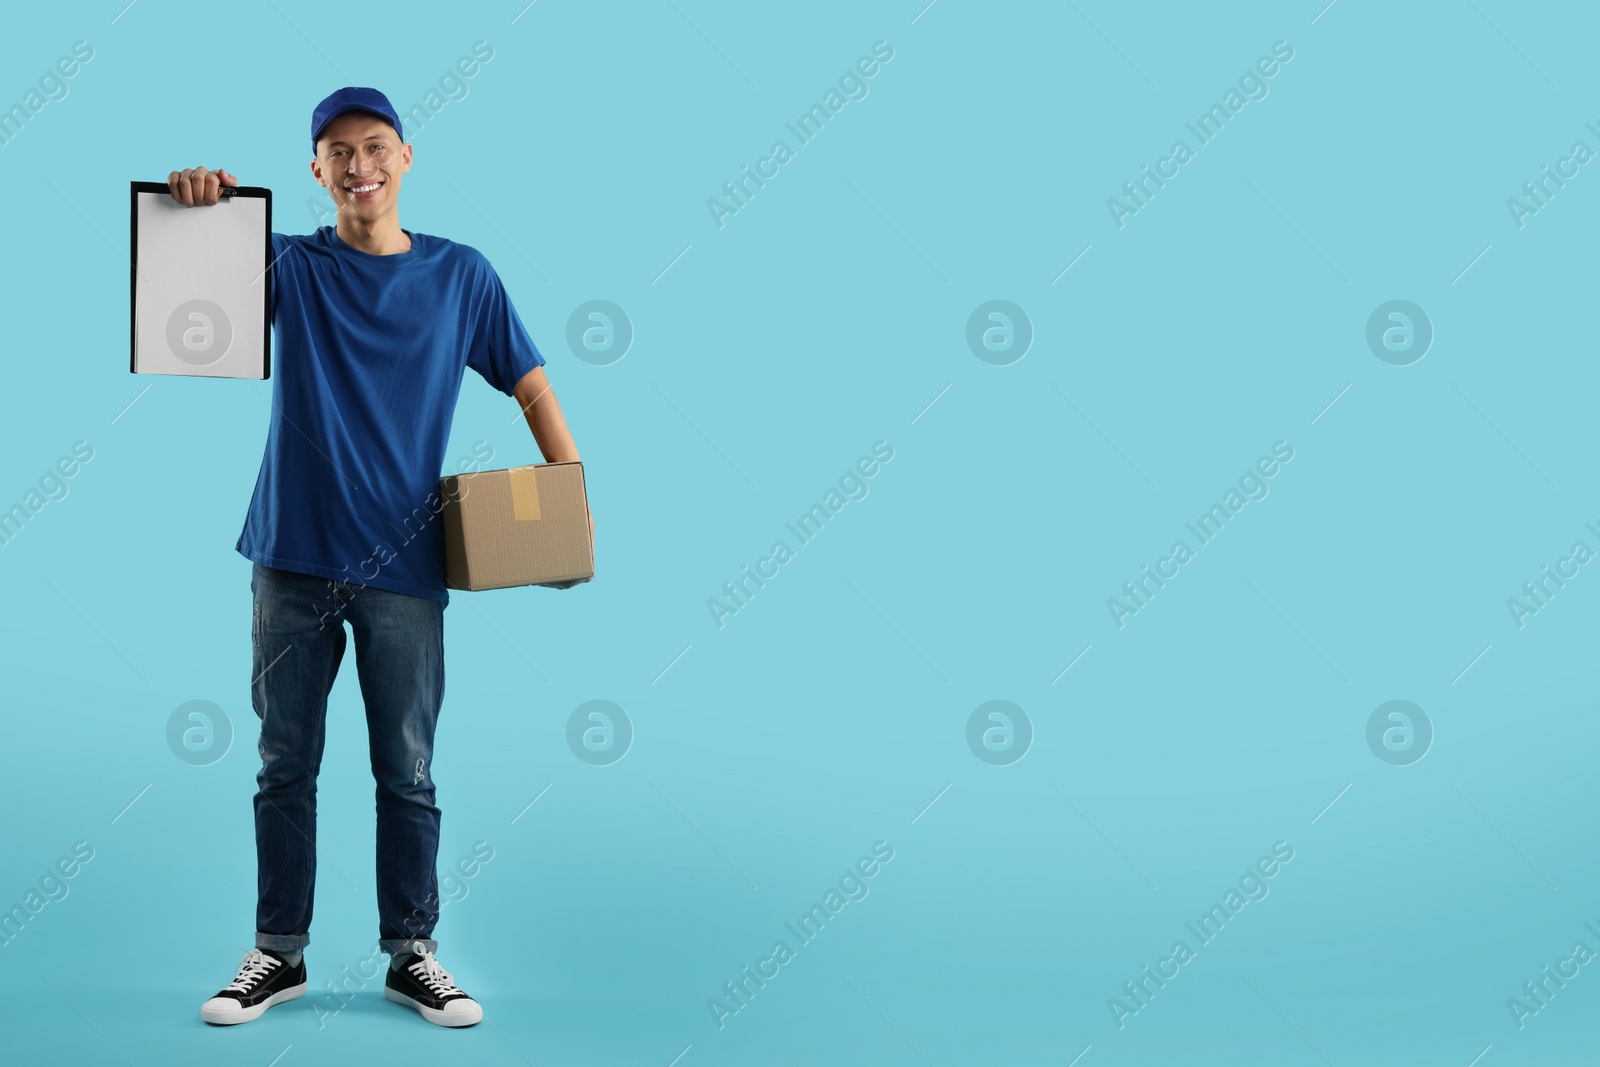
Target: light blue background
[(827, 715)]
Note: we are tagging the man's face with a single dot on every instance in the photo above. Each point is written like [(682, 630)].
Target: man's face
[(360, 159)]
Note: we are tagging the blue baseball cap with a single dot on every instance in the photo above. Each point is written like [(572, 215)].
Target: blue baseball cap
[(353, 98)]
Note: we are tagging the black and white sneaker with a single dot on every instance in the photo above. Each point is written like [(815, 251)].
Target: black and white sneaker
[(265, 978), (419, 982)]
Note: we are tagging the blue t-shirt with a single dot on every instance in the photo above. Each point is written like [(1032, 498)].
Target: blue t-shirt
[(371, 351)]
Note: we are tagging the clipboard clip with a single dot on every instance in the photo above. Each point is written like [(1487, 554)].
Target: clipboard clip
[(226, 192)]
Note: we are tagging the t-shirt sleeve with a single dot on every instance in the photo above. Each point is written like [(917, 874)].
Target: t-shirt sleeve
[(501, 350), (278, 245)]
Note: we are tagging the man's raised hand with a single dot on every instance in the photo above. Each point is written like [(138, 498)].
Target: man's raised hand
[(196, 185)]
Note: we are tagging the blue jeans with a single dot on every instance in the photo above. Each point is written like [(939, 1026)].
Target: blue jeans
[(298, 641)]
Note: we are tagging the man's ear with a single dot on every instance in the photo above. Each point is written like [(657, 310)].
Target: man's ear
[(405, 158), (316, 172)]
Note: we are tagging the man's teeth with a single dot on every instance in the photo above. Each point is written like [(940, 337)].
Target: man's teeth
[(364, 188)]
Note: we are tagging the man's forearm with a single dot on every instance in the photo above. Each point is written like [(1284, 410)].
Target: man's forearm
[(550, 429)]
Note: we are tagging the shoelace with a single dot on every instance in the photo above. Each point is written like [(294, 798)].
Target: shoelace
[(427, 970), (256, 966)]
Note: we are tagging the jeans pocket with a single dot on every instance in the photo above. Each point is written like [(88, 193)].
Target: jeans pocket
[(255, 626)]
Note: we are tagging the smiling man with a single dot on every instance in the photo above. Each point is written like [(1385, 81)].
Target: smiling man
[(375, 328)]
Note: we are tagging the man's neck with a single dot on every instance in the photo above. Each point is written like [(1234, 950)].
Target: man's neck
[(381, 238)]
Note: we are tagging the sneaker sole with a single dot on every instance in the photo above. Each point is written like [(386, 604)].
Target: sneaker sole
[(433, 1015), (244, 1015)]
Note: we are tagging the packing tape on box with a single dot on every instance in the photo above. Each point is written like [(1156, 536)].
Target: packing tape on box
[(524, 493)]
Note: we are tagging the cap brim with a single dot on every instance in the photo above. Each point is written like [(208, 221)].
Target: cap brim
[(347, 109)]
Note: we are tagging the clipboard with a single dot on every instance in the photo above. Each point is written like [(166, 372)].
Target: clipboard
[(200, 283)]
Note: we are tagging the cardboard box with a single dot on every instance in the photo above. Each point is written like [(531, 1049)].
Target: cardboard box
[(517, 526)]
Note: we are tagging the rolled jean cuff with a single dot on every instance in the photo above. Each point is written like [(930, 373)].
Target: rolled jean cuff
[(282, 942), (401, 946)]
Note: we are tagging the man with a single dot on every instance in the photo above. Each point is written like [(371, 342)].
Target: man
[(375, 326)]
